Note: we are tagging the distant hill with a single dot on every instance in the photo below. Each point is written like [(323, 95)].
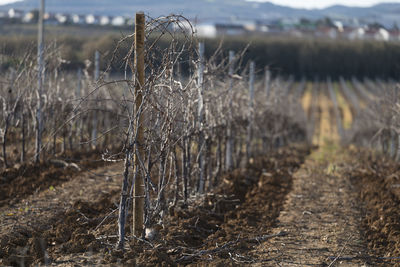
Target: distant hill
[(387, 13), (203, 9)]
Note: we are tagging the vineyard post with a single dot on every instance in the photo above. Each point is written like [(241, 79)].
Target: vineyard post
[(314, 87), (187, 164), (267, 81), (138, 201), (229, 143), (396, 132), (79, 85), (8, 114), (177, 174), (96, 65), (393, 133), (122, 213), (393, 143), (288, 86), (23, 125), (300, 89), (397, 157), (96, 79), (185, 156), (40, 62), (5, 131), (277, 86), (251, 110), (78, 95), (201, 144)]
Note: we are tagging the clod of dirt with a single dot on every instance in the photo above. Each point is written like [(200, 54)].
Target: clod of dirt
[(73, 231), (58, 163), (153, 233), (63, 164)]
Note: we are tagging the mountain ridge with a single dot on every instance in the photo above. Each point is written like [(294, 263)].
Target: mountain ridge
[(385, 13)]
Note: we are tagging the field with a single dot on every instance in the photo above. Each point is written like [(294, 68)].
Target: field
[(238, 166), (309, 58)]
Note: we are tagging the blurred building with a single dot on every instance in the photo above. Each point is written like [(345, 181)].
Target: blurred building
[(105, 20), (206, 30), (62, 18), (77, 19), (357, 33), (350, 29), (91, 19), (118, 21), (29, 17), (15, 13)]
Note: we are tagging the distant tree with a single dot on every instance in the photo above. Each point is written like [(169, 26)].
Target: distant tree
[(305, 22), (325, 22), (375, 25), (395, 27)]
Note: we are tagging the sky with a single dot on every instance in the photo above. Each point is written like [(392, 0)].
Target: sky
[(299, 3), (325, 3), (3, 2)]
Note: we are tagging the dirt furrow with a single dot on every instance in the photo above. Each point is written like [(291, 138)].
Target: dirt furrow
[(376, 178), (21, 181), (58, 217), (321, 217), (63, 225)]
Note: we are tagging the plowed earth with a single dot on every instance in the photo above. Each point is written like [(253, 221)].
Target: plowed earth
[(288, 209), (325, 206), (75, 223)]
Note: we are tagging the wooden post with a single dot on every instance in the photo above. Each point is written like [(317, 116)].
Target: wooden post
[(78, 93), (267, 82), (138, 203), (229, 142), (300, 89), (251, 111), (40, 63), (78, 96), (96, 66), (277, 89), (96, 79), (393, 144), (123, 202), (398, 148), (201, 144), (23, 123), (288, 87), (188, 166)]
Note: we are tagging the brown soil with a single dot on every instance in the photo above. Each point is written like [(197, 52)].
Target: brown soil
[(247, 205), (335, 207), (59, 221), (320, 217), (20, 181), (75, 222), (288, 209), (377, 179)]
